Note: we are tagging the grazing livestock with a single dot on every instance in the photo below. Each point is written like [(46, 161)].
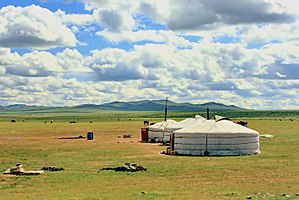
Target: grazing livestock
[(243, 123)]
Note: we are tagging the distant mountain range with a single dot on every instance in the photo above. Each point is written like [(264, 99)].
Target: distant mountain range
[(145, 105)]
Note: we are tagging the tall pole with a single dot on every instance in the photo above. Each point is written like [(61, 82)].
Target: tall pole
[(208, 114), (165, 115)]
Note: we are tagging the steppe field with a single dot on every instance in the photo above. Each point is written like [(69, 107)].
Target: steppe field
[(273, 174)]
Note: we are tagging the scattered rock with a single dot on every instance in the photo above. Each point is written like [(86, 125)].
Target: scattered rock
[(143, 192), (127, 167), (19, 170), (52, 168), (266, 136), (72, 137), (249, 197), (286, 195), (127, 136), (230, 194)]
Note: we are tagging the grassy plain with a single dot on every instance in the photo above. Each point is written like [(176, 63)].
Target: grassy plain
[(34, 143)]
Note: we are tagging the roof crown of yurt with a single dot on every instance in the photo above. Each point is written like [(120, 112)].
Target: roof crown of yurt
[(197, 119)]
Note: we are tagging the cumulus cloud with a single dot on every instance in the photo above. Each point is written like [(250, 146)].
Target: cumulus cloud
[(33, 27), (72, 61), (285, 53), (69, 63), (120, 21), (218, 71), (151, 36), (35, 64), (200, 14), (74, 19), (117, 65), (113, 16)]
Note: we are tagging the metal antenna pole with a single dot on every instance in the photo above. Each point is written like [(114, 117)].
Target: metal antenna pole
[(165, 116)]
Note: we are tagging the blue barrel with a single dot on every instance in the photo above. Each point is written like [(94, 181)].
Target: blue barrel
[(89, 135)]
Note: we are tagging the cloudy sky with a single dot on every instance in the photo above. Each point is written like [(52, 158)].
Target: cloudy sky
[(70, 52)]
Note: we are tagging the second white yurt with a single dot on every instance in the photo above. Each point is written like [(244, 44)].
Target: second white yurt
[(156, 131), (217, 138), (181, 124)]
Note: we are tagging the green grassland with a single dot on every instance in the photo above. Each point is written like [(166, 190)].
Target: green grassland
[(70, 114), (34, 143)]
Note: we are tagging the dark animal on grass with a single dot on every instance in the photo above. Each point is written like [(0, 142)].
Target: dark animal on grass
[(243, 123)]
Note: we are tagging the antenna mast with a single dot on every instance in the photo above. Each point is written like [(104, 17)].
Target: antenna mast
[(165, 115)]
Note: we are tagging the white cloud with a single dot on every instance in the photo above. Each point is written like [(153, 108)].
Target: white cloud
[(280, 75), (35, 64), (72, 61), (117, 65), (33, 27), (158, 36), (7, 58), (210, 71), (74, 19), (113, 16), (200, 14), (284, 53), (119, 21), (269, 33)]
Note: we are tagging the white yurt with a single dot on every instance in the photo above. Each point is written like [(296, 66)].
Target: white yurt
[(179, 125), (156, 131), (217, 138)]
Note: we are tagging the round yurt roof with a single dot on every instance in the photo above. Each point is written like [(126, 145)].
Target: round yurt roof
[(184, 123), (162, 125), (217, 127)]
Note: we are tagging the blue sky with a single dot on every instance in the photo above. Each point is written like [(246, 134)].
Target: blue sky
[(77, 51)]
